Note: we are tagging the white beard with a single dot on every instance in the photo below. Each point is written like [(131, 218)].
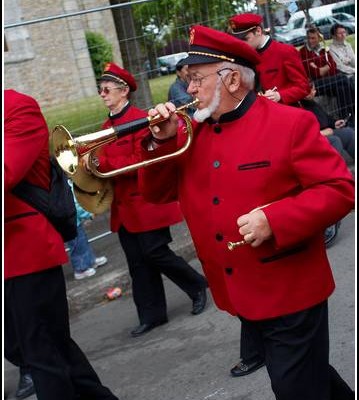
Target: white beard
[(204, 113)]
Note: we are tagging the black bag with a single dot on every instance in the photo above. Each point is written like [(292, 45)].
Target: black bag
[(57, 205)]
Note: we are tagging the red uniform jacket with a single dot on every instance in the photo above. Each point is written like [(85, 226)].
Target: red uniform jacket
[(128, 207), (320, 60), (281, 67), (31, 243), (261, 153)]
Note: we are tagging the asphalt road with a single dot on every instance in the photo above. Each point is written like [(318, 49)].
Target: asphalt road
[(190, 357)]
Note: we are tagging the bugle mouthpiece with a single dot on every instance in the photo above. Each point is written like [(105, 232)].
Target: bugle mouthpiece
[(159, 118), (232, 245)]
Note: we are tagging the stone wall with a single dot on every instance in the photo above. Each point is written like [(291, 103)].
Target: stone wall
[(50, 60)]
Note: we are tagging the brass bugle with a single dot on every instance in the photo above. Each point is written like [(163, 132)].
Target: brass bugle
[(68, 150)]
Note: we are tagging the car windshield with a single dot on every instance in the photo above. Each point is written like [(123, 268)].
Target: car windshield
[(295, 24), (344, 17)]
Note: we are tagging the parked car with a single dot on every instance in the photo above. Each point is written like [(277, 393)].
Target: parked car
[(151, 72), (167, 64), (325, 24), (294, 32), (295, 37), (344, 17)]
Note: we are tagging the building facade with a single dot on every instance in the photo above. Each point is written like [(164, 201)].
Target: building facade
[(50, 60)]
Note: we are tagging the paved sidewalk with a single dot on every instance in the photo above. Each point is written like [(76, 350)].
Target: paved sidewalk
[(84, 294)]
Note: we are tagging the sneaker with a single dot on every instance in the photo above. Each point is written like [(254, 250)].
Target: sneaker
[(99, 261), (85, 274), (330, 234)]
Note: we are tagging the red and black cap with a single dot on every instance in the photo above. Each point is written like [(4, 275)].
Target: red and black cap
[(241, 24), (208, 45), (114, 73)]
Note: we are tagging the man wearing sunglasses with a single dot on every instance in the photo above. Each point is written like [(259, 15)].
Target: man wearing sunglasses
[(142, 227), (281, 73), (261, 175)]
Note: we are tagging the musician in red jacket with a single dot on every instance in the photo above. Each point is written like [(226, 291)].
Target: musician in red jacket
[(282, 77), (37, 332), (260, 174), (142, 227)]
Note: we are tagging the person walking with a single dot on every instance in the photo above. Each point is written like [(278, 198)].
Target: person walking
[(282, 79), (36, 320), (142, 227), (280, 71), (257, 188), (83, 259)]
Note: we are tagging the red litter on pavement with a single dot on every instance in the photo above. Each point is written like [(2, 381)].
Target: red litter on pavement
[(113, 293)]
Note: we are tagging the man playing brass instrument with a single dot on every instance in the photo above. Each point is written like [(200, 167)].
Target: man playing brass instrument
[(142, 227), (262, 170)]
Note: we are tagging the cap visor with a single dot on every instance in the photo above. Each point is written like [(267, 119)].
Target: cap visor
[(239, 35), (107, 79), (193, 59)]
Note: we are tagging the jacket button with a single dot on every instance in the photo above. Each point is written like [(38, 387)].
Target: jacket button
[(216, 164), (229, 271), (217, 129), (219, 237), (215, 200)]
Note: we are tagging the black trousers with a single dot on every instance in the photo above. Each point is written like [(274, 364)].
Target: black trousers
[(295, 349), (37, 335), (148, 256)]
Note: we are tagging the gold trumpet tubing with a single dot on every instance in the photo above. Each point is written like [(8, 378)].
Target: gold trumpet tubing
[(87, 143), (147, 163), (68, 150)]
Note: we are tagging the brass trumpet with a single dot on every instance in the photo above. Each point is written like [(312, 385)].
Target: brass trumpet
[(68, 150), (94, 191)]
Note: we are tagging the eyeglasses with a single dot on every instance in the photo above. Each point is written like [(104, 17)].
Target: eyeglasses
[(197, 80), (106, 89)]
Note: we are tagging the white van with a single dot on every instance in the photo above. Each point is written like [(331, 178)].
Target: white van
[(298, 21)]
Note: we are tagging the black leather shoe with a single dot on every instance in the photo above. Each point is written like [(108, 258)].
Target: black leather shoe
[(26, 387), (244, 368), (143, 328), (199, 302)]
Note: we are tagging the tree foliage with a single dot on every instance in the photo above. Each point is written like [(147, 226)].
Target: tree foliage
[(163, 21), (100, 51)]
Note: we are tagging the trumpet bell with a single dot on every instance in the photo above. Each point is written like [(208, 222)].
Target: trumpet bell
[(94, 194), (85, 180), (96, 202), (64, 149)]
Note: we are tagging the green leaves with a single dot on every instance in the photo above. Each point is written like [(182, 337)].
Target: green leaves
[(100, 51)]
